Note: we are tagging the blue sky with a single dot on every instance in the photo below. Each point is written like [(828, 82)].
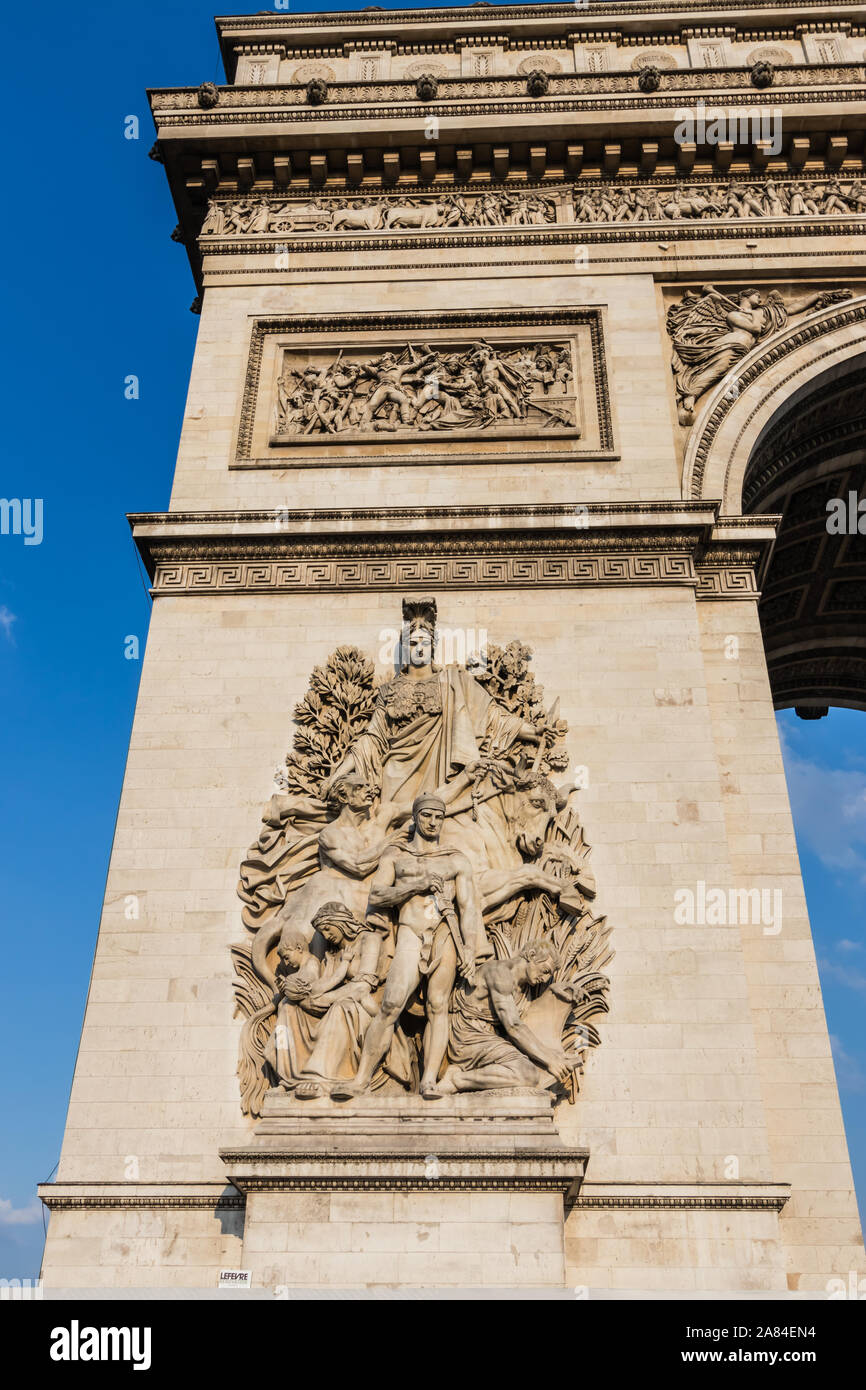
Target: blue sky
[(98, 291)]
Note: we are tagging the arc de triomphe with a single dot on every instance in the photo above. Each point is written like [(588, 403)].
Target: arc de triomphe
[(518, 481)]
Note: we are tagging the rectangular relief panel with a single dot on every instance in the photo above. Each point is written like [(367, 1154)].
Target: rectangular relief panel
[(451, 388)]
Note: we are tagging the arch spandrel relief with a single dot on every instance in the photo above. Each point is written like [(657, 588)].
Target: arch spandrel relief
[(734, 410), (711, 330)]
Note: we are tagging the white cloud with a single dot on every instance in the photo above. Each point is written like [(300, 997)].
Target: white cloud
[(843, 975), (849, 1073), (7, 618), (19, 1216), (829, 806)]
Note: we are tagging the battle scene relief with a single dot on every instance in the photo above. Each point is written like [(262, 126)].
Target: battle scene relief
[(419, 387)]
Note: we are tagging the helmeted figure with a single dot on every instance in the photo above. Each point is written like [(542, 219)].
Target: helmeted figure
[(430, 723)]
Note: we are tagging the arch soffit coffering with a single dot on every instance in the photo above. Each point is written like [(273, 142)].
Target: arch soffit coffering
[(779, 371)]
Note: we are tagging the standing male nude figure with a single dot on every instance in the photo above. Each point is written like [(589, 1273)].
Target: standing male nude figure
[(438, 928)]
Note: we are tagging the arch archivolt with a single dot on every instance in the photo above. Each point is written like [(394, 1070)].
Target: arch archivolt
[(776, 373)]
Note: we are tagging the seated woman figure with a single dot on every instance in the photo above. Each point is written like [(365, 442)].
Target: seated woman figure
[(326, 1007)]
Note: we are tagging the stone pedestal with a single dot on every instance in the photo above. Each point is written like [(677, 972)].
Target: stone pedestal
[(468, 1192)]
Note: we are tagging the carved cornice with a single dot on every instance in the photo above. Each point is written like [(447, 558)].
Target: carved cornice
[(682, 1196), (693, 1202), (61, 1196), (454, 547), (449, 548), (340, 94), (627, 513), (503, 14), (553, 1169), (383, 102), (85, 1197), (67, 1203)]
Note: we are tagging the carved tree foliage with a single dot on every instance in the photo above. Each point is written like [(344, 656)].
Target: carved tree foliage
[(335, 710), (504, 672)]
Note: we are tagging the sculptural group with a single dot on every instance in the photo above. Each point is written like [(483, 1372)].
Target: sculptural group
[(418, 902)]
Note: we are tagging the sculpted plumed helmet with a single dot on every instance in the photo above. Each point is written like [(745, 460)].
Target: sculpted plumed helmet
[(420, 612)]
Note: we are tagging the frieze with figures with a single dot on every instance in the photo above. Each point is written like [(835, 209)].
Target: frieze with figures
[(741, 199)]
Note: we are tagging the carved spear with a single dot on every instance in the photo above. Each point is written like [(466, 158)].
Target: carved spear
[(552, 714)]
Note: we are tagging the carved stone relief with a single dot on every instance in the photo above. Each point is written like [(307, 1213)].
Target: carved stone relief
[(417, 388), (545, 62), (307, 71), (416, 70), (711, 331), (419, 900), (779, 57), (725, 200), (243, 216), (596, 59), (390, 388), (599, 202)]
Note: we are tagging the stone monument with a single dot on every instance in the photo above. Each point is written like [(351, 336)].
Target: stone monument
[(512, 395)]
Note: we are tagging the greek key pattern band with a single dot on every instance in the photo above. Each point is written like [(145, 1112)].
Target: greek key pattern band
[(446, 572)]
